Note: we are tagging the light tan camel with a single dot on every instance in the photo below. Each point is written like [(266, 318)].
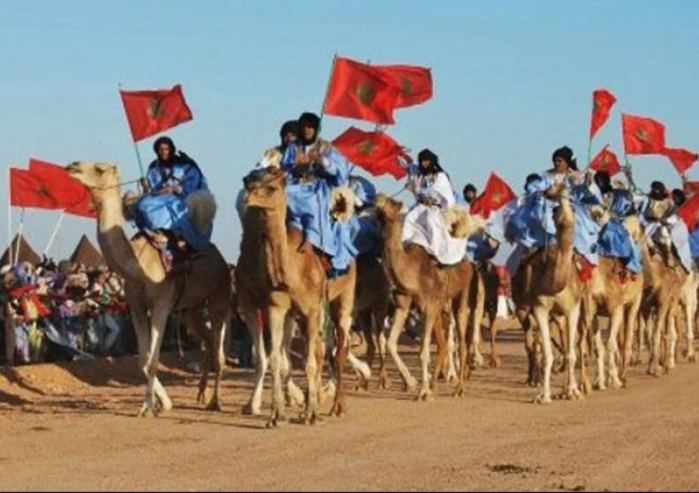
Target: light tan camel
[(150, 294), (417, 277), (557, 287), (279, 276), (688, 304), (664, 278)]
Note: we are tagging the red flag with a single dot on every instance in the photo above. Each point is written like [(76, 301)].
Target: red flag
[(413, 83), (602, 102), (376, 152), (642, 135), (358, 90), (689, 212), (607, 161), (682, 159), (71, 195), (496, 194), (152, 112), (28, 189)]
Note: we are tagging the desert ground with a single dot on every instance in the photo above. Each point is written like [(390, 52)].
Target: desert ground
[(74, 427)]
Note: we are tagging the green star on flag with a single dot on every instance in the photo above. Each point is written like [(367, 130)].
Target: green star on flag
[(366, 93), (156, 107), (367, 147)]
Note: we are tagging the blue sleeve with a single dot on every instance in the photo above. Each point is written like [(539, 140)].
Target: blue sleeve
[(192, 181), (540, 185), (336, 166), (154, 178), (289, 158)]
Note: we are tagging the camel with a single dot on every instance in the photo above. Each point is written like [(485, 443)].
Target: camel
[(276, 274), (688, 302), (664, 279), (149, 292), (417, 278)]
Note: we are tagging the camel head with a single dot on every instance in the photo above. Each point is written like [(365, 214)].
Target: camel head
[(388, 210), (95, 176), (266, 190)]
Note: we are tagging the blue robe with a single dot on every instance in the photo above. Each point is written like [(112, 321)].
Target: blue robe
[(309, 205), (169, 211), (614, 239)]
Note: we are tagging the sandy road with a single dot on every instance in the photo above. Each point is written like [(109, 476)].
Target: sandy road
[(72, 427)]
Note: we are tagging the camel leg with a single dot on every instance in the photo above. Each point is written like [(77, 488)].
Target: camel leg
[(671, 345), (541, 314), (600, 379), (451, 349), (430, 316), (219, 313), (294, 395), (495, 323), (529, 346), (381, 345), (476, 357), (277, 317), (440, 338), (314, 364), (656, 332), (159, 316), (617, 321), (255, 329), (573, 318), (690, 308), (194, 320), (462, 317), (630, 323), (341, 309), (399, 317)]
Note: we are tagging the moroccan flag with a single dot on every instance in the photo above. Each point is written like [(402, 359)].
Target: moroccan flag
[(28, 189), (689, 212), (375, 152), (358, 90), (607, 161), (602, 102), (496, 194), (642, 135), (71, 195), (682, 159), (413, 83), (152, 112)]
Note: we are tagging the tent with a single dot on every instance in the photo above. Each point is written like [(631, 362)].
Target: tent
[(26, 252), (86, 253)]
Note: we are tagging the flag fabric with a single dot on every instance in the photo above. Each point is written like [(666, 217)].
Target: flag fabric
[(358, 90), (689, 212), (375, 152), (607, 161), (602, 102), (642, 135), (414, 84), (682, 159), (28, 189), (152, 112), (496, 194), (71, 195)]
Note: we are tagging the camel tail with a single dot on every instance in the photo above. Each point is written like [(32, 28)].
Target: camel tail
[(202, 209)]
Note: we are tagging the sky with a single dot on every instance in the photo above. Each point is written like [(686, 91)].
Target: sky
[(512, 82)]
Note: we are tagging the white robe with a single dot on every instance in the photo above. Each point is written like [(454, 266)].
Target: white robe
[(423, 225)]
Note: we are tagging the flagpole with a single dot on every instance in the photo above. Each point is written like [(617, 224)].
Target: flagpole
[(9, 214), (325, 98), (135, 144), (19, 235), (55, 232)]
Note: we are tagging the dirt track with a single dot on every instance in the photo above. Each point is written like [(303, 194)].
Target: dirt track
[(72, 427)]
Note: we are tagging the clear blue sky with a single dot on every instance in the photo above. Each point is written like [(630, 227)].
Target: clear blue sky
[(513, 81)]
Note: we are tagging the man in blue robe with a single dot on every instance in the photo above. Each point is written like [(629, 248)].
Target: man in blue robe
[(162, 210), (313, 168)]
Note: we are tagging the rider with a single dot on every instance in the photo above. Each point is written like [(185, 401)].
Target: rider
[(424, 224), (469, 193), (170, 179)]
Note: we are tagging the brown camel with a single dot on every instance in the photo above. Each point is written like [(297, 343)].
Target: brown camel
[(417, 278), (279, 276), (150, 293)]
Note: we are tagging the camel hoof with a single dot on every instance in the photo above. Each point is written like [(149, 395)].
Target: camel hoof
[(572, 395), (275, 421), (214, 405), (542, 398), (494, 362), (338, 410), (586, 388), (310, 418), (362, 384), (614, 383), (202, 397), (250, 410), (162, 406), (147, 412), (410, 385), (425, 395), (477, 360), (692, 358), (383, 382), (452, 377), (459, 391), (599, 385), (654, 371)]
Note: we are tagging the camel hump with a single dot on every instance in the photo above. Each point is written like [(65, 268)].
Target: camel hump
[(342, 202), (201, 206), (460, 222)]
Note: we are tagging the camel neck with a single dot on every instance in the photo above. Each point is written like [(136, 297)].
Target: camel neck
[(394, 254)]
